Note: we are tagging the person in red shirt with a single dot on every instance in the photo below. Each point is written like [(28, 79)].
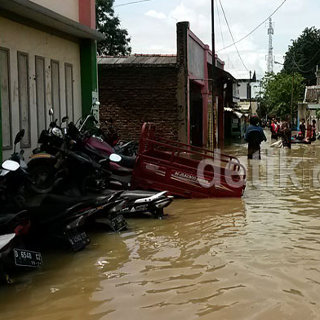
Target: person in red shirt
[(274, 130)]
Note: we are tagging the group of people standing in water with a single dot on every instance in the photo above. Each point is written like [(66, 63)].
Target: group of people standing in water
[(308, 132), (279, 129), (282, 130)]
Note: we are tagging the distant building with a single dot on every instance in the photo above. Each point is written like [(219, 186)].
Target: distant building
[(47, 59), (248, 91), (311, 103), (173, 91)]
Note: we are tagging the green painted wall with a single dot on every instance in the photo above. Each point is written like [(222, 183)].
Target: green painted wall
[(89, 73), (0, 125)]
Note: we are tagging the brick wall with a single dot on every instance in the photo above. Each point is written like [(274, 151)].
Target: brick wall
[(132, 95)]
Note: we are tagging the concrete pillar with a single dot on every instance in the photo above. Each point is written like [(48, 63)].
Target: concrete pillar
[(87, 13), (183, 82), (318, 75), (89, 74), (302, 112), (0, 126), (205, 96), (88, 57)]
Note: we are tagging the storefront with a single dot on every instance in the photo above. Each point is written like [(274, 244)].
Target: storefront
[(47, 60)]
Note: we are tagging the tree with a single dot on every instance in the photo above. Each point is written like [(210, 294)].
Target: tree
[(276, 97), (303, 55), (116, 40)]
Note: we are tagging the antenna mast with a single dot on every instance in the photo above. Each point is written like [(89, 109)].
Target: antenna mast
[(270, 53)]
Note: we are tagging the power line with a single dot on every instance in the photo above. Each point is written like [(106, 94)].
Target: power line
[(220, 24), (301, 67), (129, 3), (225, 18), (256, 28)]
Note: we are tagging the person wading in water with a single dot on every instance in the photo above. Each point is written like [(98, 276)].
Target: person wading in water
[(285, 133), (254, 136)]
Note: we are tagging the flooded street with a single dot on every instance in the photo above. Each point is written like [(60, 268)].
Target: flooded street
[(252, 258)]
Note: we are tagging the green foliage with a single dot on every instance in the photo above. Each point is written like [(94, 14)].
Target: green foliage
[(276, 97), (303, 55), (117, 41)]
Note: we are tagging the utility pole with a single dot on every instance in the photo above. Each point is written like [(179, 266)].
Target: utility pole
[(291, 104), (270, 52), (213, 83)]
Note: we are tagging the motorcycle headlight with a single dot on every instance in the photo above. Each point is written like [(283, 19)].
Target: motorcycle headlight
[(57, 132)]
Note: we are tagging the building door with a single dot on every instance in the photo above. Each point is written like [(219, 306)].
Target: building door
[(24, 101), (196, 115), (55, 87), (69, 91), (41, 94), (5, 99)]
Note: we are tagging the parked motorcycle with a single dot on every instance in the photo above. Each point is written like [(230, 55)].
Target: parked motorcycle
[(14, 233), (57, 166), (13, 179), (59, 221), (100, 151)]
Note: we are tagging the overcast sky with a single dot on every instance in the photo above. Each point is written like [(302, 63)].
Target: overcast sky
[(151, 26)]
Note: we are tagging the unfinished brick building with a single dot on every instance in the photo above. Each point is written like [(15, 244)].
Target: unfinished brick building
[(173, 91), (138, 89)]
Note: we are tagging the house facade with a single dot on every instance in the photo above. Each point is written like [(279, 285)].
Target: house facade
[(173, 91), (47, 60)]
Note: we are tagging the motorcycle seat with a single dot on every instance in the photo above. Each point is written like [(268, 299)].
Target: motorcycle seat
[(123, 171), (137, 194), (53, 206), (7, 218), (10, 220)]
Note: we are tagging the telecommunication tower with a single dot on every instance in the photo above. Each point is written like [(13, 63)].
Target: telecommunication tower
[(270, 53)]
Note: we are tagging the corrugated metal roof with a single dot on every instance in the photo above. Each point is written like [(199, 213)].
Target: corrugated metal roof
[(312, 94), (139, 60)]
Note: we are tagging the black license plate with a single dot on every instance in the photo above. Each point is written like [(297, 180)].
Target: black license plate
[(118, 223), (78, 240), (26, 258)]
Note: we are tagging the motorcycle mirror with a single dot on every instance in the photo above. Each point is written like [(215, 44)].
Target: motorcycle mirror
[(115, 157), (50, 112), (10, 165), (19, 136)]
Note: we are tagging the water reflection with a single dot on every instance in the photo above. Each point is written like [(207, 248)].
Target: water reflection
[(251, 258)]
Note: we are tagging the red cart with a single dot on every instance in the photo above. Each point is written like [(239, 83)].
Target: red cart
[(185, 170)]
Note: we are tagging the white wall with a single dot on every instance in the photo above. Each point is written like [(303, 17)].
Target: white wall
[(17, 37), (195, 59), (243, 89), (67, 8)]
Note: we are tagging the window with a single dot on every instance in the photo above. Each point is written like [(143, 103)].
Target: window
[(41, 94), (69, 91), (55, 87), (5, 98), (24, 105)]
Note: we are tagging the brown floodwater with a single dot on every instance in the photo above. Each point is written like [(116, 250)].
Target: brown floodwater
[(252, 258)]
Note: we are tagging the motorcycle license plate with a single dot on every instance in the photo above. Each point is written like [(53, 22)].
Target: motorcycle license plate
[(78, 240), (118, 223), (26, 258)]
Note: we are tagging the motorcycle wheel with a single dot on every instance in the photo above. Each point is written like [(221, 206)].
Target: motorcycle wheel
[(43, 178)]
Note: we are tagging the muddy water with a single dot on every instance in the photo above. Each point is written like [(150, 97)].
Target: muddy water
[(251, 258)]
